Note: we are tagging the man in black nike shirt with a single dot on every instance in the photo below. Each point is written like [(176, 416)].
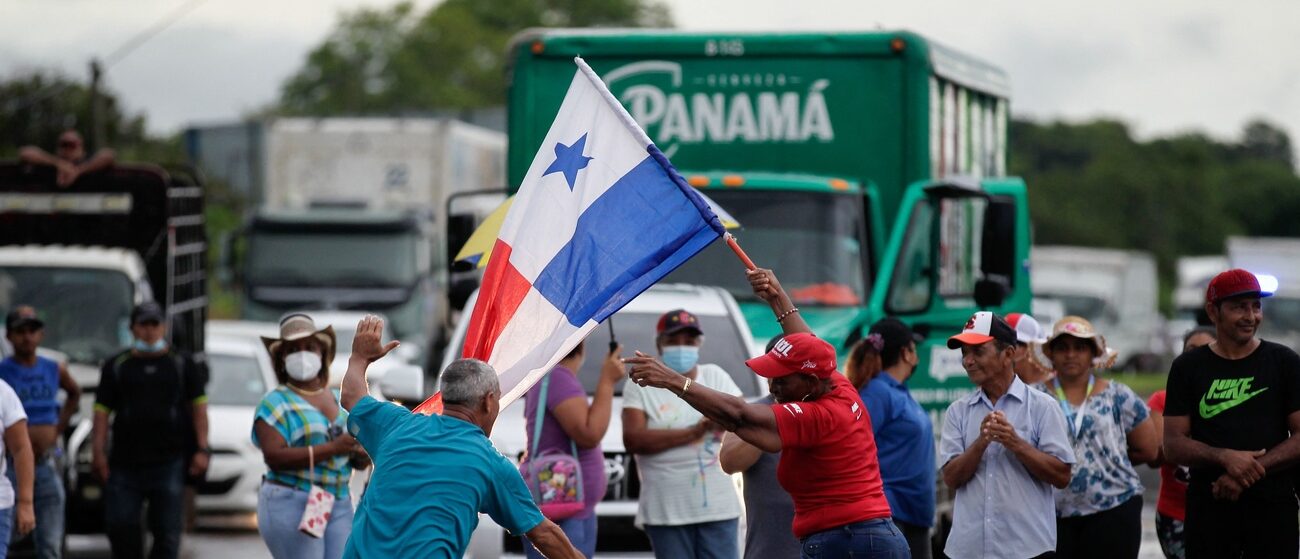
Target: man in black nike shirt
[(1232, 416)]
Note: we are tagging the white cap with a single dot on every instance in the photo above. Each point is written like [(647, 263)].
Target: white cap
[(1027, 329)]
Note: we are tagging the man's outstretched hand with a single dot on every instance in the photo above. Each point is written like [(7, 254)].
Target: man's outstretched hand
[(367, 344)]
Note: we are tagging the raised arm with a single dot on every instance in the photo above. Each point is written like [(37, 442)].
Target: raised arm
[(367, 347), (755, 423), (767, 288), (585, 424)]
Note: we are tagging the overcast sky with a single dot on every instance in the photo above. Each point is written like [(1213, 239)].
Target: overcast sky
[(1162, 65)]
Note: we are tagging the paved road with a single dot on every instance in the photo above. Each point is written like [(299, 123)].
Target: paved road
[(236, 536)]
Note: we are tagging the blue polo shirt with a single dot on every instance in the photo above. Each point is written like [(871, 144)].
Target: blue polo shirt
[(905, 448), (433, 476)]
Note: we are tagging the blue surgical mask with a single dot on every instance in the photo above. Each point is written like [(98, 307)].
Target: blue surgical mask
[(681, 358), (145, 347)]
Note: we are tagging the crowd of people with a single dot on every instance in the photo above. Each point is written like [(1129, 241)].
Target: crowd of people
[(1041, 457)]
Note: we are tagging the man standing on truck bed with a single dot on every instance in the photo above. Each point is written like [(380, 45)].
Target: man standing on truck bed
[(37, 380), (1232, 415), (156, 400), (69, 159)]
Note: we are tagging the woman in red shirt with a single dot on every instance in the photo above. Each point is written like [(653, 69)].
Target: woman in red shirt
[(819, 425)]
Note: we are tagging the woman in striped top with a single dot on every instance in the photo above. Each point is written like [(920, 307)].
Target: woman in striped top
[(300, 428)]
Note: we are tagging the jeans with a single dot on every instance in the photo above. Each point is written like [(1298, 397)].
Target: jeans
[(874, 539), (128, 488), (279, 509), (918, 539), (706, 540), (6, 526), (581, 532), (50, 500)]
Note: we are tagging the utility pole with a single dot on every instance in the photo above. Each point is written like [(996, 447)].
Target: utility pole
[(97, 116)]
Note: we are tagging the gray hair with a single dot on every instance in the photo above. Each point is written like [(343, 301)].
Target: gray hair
[(465, 382)]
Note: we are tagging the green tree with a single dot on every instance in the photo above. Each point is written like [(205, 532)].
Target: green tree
[(1093, 184), (453, 56), (37, 106)]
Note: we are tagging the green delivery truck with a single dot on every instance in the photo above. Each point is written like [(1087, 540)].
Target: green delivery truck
[(865, 168)]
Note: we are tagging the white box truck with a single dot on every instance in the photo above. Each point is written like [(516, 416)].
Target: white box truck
[(352, 217), (1116, 290)]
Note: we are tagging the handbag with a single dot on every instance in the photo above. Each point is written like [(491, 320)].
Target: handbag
[(554, 478), (316, 515)]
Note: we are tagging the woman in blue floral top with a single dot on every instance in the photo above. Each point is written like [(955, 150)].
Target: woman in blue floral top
[(1100, 513)]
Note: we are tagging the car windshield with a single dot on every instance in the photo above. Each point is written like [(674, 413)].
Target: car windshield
[(351, 259), (818, 239), (723, 346), (86, 311), (1090, 307), (234, 380)]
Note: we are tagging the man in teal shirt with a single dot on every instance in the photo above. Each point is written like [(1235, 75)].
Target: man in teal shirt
[(435, 474)]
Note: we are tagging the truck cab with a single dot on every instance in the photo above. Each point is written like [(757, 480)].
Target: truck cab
[(346, 259), (864, 167)]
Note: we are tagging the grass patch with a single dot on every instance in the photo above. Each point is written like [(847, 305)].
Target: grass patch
[(1145, 384)]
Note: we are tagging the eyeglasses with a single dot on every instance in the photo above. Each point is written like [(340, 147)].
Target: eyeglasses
[(69, 144)]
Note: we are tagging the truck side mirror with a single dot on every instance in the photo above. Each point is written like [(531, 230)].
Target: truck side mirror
[(991, 291), (461, 289), (404, 383), (459, 229)]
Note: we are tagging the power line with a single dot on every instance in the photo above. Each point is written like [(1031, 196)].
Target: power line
[(150, 32)]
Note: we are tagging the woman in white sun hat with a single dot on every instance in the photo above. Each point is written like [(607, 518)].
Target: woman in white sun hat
[(1029, 338), (1099, 514)]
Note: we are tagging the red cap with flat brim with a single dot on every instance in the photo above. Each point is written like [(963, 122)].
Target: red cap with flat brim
[(801, 353)]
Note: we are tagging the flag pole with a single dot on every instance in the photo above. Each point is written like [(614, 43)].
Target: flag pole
[(740, 252)]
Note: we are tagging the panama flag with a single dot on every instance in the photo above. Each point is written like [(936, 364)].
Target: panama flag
[(600, 216)]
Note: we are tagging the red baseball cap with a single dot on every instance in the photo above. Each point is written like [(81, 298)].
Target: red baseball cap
[(1233, 283), (797, 353)]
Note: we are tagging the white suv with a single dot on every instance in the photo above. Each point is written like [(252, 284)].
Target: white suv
[(728, 343)]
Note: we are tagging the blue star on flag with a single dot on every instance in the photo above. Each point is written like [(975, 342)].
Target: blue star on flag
[(569, 160)]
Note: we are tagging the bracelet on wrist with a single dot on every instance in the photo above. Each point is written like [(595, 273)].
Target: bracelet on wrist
[(686, 386), (781, 318)]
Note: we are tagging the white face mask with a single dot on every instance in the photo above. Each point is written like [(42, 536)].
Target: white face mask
[(302, 366)]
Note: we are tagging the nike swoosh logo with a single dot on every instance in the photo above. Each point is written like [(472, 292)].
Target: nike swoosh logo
[(1208, 411)]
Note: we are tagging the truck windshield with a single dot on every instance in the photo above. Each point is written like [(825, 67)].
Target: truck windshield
[(86, 311), (815, 240), (339, 259)]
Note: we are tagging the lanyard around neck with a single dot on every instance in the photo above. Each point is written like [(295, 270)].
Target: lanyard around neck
[(1077, 415)]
